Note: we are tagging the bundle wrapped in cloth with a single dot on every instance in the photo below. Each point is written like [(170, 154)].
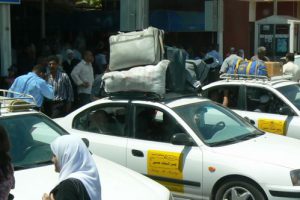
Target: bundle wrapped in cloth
[(149, 78)]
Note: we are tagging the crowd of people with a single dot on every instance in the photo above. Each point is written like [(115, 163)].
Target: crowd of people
[(63, 77)]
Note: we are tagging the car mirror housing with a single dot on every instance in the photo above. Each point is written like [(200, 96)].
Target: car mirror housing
[(285, 110), (182, 139)]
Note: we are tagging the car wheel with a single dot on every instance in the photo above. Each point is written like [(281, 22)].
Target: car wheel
[(237, 190)]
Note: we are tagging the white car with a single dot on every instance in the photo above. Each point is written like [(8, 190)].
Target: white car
[(195, 147), (273, 105), (30, 133)]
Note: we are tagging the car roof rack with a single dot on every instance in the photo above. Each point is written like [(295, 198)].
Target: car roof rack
[(243, 77), (134, 95), (255, 77), (21, 103)]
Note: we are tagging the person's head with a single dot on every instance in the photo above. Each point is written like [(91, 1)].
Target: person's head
[(68, 151), (70, 54), (88, 57), (290, 57), (12, 71), (261, 52), (40, 70), (53, 62), (232, 50), (72, 159), (99, 118), (241, 53)]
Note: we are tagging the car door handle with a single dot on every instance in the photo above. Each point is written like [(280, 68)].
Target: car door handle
[(137, 153)]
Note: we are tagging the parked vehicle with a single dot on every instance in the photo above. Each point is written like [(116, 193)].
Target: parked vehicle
[(31, 132), (272, 105), (195, 147)]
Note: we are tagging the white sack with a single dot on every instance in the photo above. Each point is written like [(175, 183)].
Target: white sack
[(149, 78)]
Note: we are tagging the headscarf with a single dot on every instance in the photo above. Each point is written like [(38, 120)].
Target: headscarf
[(75, 161)]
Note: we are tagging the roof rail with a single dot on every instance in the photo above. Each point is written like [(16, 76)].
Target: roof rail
[(281, 77), (136, 95), (243, 77), (22, 102)]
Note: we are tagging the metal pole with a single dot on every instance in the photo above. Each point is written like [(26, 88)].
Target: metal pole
[(291, 37), (5, 39), (252, 11), (134, 15), (43, 23), (275, 7), (220, 26)]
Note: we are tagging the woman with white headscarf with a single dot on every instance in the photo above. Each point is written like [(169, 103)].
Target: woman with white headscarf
[(78, 175)]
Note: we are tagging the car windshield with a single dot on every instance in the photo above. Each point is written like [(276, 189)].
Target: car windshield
[(216, 125), (292, 92), (30, 136)]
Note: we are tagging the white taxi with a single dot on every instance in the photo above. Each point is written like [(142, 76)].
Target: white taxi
[(30, 133), (273, 105), (195, 147)]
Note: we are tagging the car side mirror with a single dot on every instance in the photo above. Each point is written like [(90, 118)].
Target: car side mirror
[(249, 120), (86, 142), (182, 139), (285, 110)]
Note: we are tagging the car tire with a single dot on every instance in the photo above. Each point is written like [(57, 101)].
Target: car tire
[(237, 189)]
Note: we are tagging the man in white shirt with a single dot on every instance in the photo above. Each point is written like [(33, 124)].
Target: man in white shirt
[(83, 76), (291, 68)]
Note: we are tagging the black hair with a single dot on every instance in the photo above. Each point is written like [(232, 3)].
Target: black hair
[(53, 58), (39, 69), (290, 56)]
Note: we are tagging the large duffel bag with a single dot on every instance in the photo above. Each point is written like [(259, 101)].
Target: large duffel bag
[(214, 69), (136, 48), (198, 70), (176, 73), (248, 67), (150, 78)]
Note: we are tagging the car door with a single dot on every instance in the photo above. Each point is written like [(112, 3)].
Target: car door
[(151, 153), (105, 127), (263, 108)]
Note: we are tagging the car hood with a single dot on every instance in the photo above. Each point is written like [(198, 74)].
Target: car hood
[(117, 182), (268, 148)]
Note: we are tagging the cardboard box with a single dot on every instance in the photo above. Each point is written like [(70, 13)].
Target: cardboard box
[(274, 68)]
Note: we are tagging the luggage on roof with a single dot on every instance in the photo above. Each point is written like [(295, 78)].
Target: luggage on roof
[(136, 48), (248, 67), (150, 78)]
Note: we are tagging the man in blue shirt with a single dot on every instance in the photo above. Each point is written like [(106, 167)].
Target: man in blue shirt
[(33, 84)]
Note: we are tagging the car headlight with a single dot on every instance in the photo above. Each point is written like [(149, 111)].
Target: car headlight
[(295, 176)]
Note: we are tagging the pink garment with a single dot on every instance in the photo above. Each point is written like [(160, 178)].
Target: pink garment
[(6, 184)]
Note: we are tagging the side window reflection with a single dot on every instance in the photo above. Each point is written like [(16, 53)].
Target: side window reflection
[(155, 125), (109, 120)]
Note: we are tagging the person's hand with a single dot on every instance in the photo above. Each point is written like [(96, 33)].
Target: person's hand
[(85, 84), (48, 197)]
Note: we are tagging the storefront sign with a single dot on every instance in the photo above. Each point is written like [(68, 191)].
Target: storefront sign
[(10, 1)]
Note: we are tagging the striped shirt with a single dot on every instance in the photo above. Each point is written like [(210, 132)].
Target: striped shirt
[(62, 86)]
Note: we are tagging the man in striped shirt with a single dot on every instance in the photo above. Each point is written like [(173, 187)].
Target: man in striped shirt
[(63, 91)]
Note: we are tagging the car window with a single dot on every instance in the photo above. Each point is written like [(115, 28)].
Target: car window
[(154, 125), (30, 137), (109, 120), (262, 100), (225, 95), (292, 93), (215, 124)]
